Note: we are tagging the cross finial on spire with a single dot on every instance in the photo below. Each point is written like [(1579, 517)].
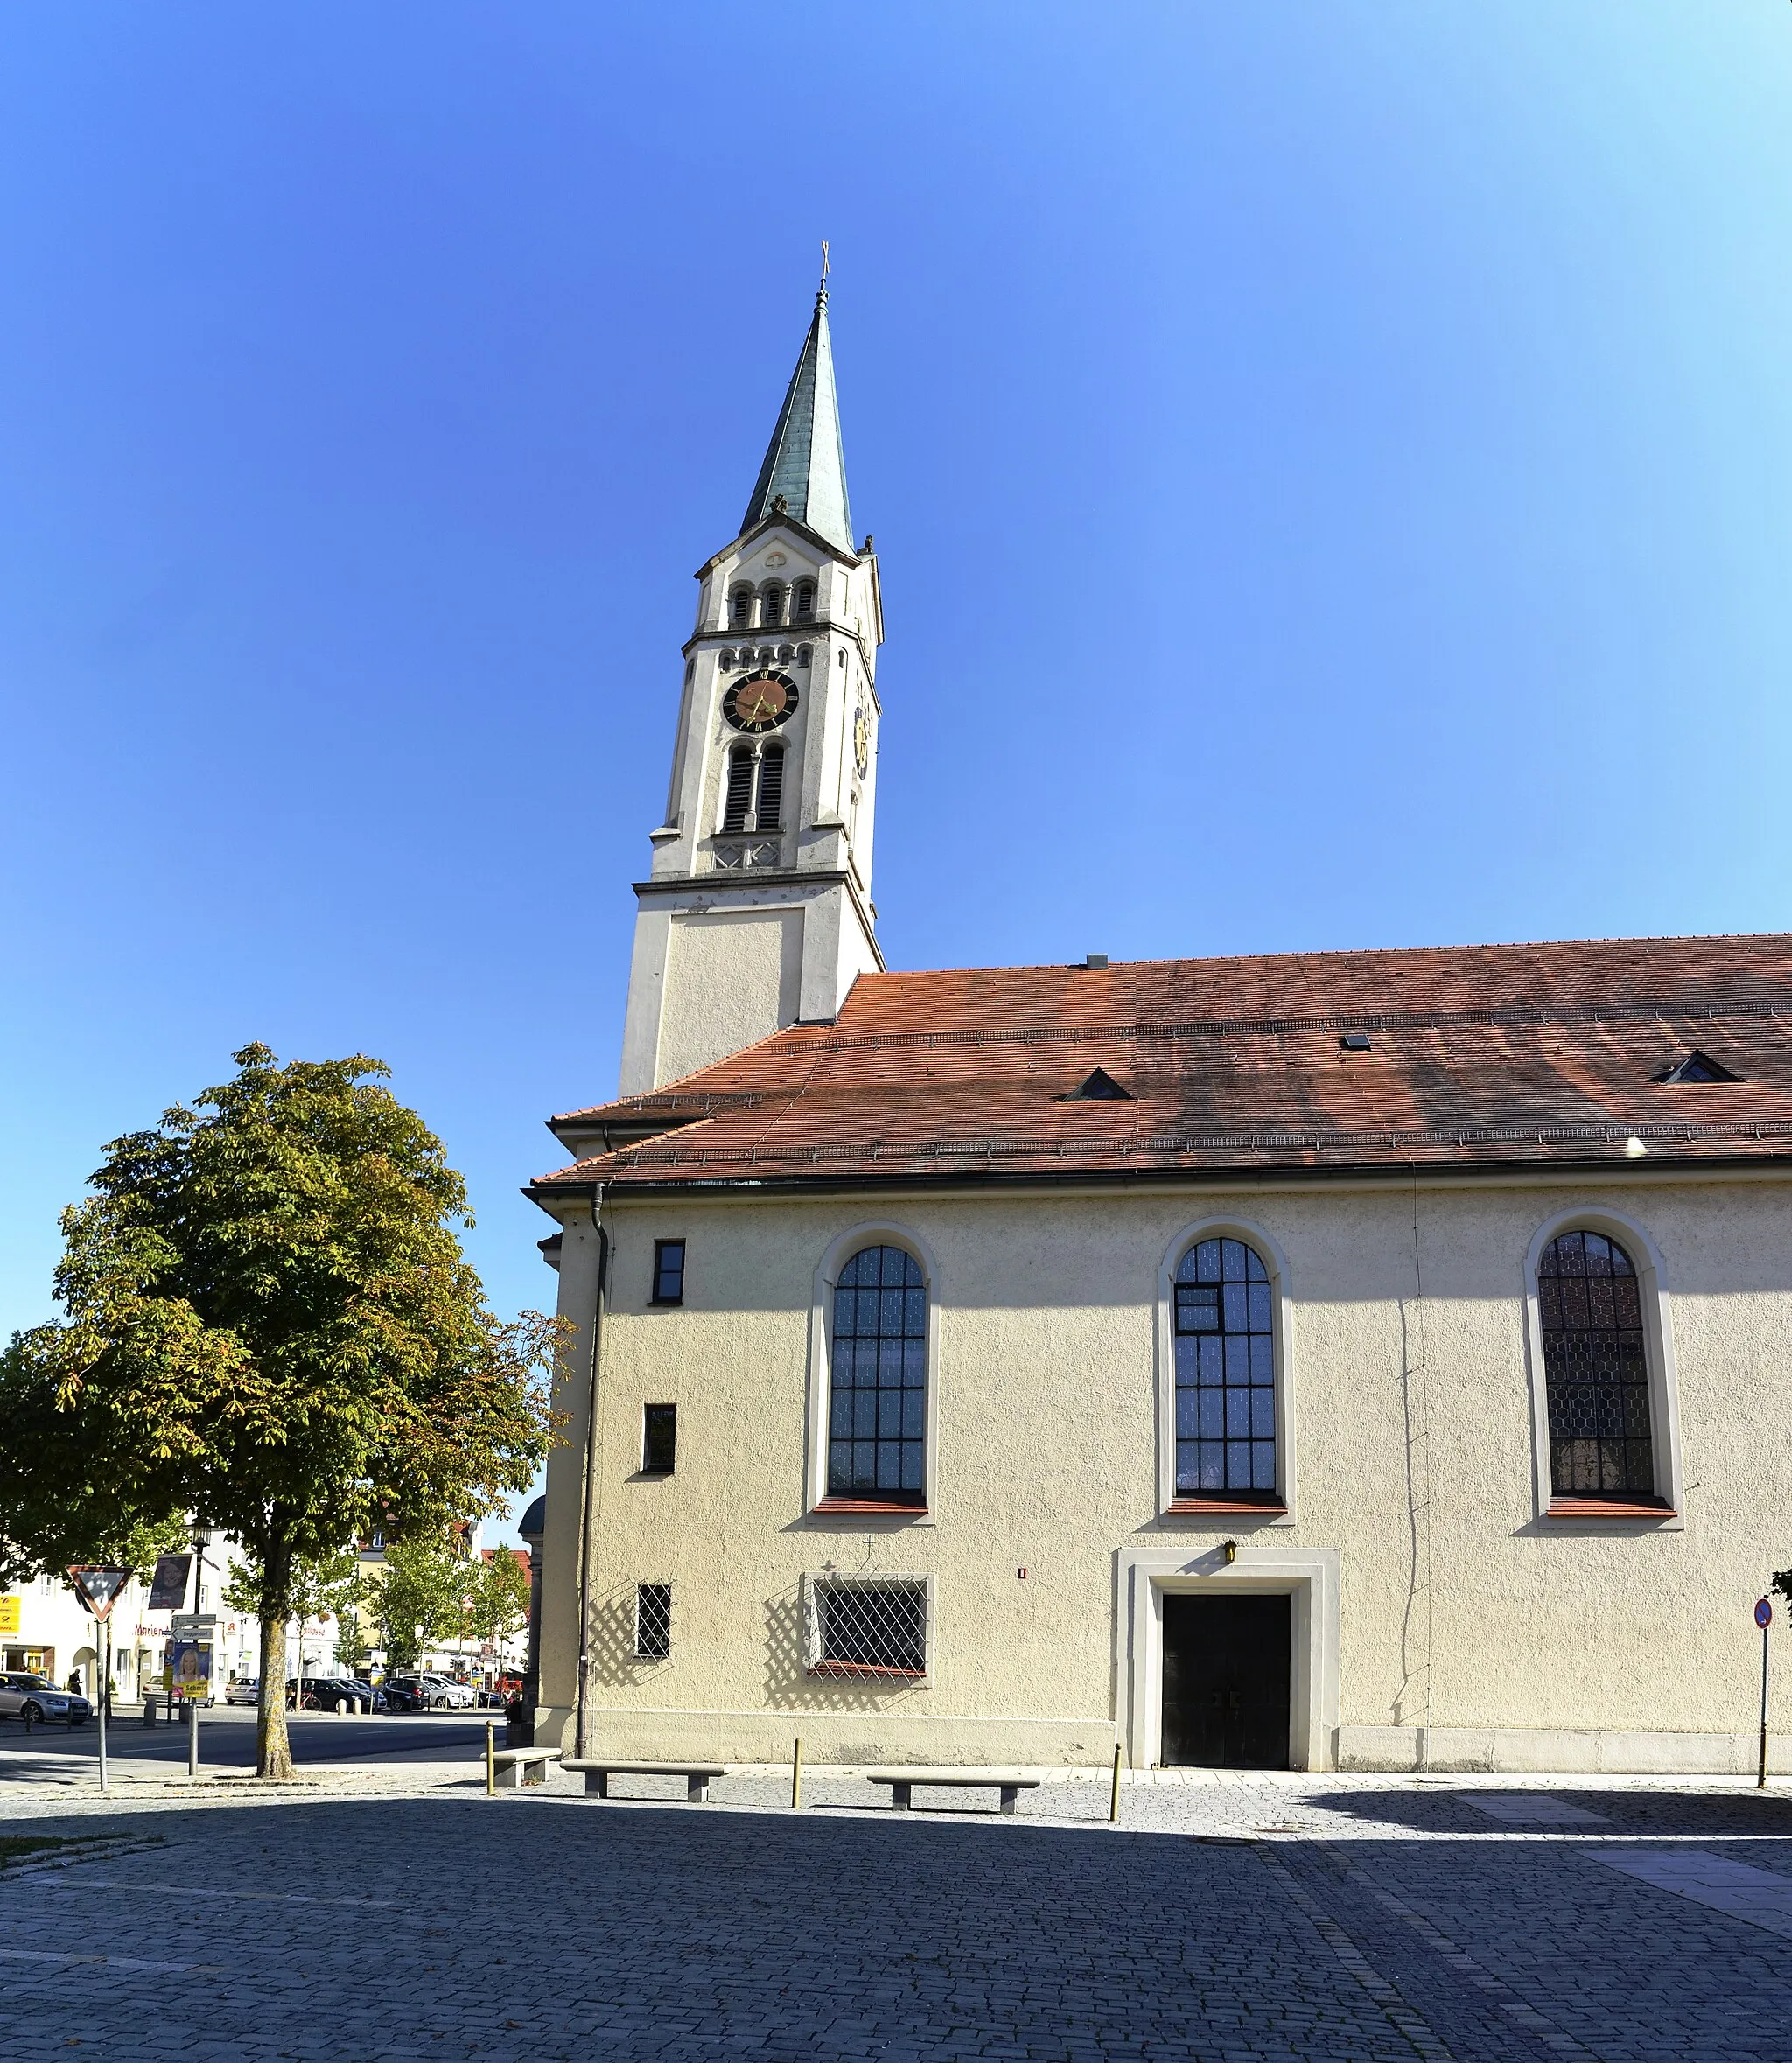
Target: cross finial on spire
[(822, 291)]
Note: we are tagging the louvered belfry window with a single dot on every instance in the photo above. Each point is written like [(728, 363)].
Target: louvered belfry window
[(770, 814), (740, 608), (771, 605), (1595, 1368), (738, 799), (805, 598), (1225, 1373), (877, 1414)]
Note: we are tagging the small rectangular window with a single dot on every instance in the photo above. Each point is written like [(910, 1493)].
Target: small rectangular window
[(652, 1621), (668, 1271), (658, 1439)]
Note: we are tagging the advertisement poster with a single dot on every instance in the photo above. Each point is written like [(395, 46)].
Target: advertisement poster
[(168, 1592), (8, 1614), (188, 1673)]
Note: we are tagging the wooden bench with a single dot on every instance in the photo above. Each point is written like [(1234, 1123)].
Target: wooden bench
[(698, 1776), (513, 1765), (904, 1782)]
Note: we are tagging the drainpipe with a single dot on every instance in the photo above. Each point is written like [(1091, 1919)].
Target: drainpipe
[(588, 1511)]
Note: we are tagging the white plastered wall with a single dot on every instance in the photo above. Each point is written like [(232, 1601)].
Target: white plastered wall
[(1471, 1631)]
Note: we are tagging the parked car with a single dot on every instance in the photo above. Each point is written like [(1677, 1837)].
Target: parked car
[(246, 1690), (324, 1693), (35, 1699), (372, 1698), (405, 1694), (440, 1693)]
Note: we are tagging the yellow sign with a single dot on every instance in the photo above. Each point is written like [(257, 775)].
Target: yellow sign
[(8, 1614), (187, 1672)]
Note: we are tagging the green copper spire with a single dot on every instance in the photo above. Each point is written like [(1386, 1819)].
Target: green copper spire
[(805, 464)]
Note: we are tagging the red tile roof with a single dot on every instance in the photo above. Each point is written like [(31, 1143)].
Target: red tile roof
[(1478, 1054)]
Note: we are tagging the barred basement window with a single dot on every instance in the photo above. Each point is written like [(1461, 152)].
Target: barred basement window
[(652, 1621), (866, 1625), (878, 1407), (1595, 1368), (770, 814), (1225, 1373), (738, 799)]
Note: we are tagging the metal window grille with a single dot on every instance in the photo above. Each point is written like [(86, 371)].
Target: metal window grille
[(867, 1625), (1595, 1368), (652, 1621), (1225, 1373), (877, 1411)]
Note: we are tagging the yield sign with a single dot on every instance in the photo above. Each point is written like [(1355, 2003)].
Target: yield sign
[(100, 1588)]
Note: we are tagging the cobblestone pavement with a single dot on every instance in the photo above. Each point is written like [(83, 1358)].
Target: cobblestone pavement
[(1331, 1918)]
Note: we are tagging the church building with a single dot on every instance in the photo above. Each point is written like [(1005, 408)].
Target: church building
[(1357, 1360)]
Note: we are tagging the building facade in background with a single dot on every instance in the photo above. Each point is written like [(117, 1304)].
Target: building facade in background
[(1367, 1360)]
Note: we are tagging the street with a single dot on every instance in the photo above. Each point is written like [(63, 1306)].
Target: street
[(227, 1739), (1306, 1918)]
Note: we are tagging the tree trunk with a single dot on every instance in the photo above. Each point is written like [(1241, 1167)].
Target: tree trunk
[(273, 1749)]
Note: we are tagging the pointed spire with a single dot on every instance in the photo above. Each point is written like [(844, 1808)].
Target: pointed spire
[(805, 466)]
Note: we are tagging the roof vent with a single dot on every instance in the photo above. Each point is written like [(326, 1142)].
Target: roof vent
[(1698, 1067), (1101, 1088), (1094, 960), (1355, 1042)]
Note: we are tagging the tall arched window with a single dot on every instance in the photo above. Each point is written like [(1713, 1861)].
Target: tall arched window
[(804, 599), (1225, 1373), (738, 799), (740, 608), (1595, 1368), (877, 1420), (770, 812), (771, 604)]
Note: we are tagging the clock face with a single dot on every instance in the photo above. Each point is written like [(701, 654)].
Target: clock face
[(861, 741), (761, 701)]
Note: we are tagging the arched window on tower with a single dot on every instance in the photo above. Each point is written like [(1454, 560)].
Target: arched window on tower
[(738, 799), (769, 816), (1595, 1368), (740, 609), (877, 1419), (804, 601), (771, 604)]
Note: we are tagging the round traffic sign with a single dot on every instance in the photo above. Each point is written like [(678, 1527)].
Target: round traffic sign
[(1763, 1613)]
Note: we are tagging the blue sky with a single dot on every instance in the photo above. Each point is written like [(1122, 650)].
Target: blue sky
[(1328, 458)]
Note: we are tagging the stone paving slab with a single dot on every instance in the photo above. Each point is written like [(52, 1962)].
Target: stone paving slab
[(1319, 1918)]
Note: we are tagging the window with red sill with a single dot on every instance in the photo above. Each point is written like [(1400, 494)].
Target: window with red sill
[(877, 1425), (1225, 1377), (1595, 1373)]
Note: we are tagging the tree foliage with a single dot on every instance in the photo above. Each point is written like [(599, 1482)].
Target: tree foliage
[(419, 1599), (271, 1328)]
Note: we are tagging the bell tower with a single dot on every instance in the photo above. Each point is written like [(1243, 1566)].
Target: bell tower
[(757, 912)]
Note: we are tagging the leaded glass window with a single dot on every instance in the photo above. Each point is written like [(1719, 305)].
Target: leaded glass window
[(1595, 1368), (1225, 1373), (877, 1411)]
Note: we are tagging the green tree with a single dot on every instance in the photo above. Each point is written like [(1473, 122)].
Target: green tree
[(331, 1587), (271, 1329), (419, 1599), (498, 1604)]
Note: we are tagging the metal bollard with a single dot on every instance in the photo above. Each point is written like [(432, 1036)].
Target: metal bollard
[(1114, 1801), (796, 1775), (491, 1762), (193, 1736)]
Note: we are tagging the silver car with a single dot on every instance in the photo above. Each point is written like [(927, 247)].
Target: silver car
[(37, 1700), (246, 1690)]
